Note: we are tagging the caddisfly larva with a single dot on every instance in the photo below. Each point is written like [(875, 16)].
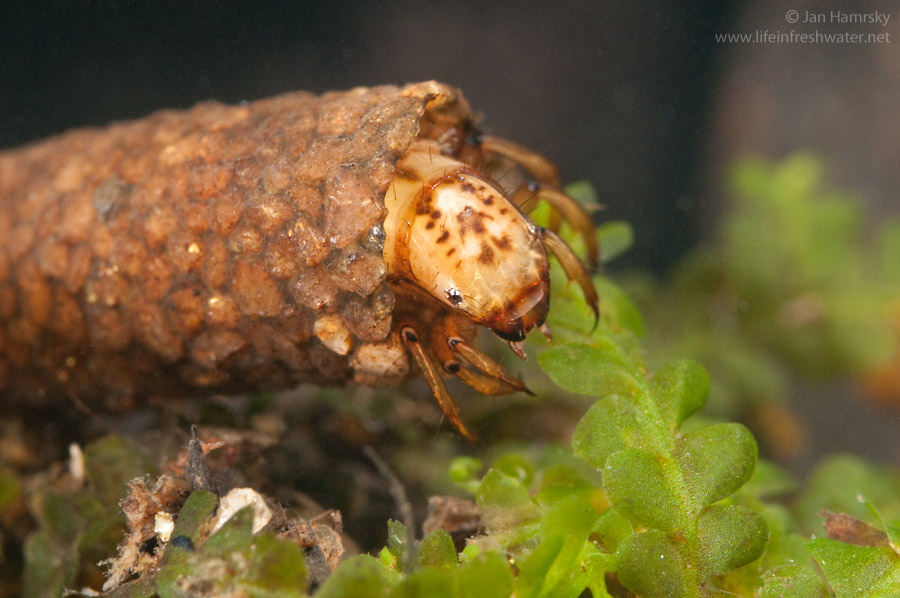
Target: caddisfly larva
[(355, 236)]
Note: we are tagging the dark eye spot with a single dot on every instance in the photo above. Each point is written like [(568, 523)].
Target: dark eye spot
[(453, 296), (429, 225)]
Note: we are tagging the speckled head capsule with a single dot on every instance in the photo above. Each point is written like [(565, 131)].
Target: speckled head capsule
[(455, 234), (355, 236)]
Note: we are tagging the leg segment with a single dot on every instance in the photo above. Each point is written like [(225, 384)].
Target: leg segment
[(567, 208), (547, 175), (447, 341), (574, 270), (482, 383), (432, 374), (536, 165), (485, 364)]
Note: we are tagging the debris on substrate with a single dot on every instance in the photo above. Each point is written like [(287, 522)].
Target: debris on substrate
[(291, 450), (152, 511)]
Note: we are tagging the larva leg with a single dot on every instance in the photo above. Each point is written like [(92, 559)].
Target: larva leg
[(482, 383), (448, 344), (547, 175), (484, 364), (567, 208), (431, 373), (574, 269), (536, 165), (562, 206)]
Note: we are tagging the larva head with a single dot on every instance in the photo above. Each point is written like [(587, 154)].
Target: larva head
[(457, 237)]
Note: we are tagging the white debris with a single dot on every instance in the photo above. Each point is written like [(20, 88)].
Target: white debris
[(239, 498), (163, 524), (76, 463), (334, 334)]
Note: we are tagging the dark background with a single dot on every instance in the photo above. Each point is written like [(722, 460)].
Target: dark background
[(615, 92)]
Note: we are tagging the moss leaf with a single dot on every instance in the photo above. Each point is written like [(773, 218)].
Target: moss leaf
[(50, 565), (680, 390), (517, 467), (185, 536), (836, 485), (638, 488), (716, 460), (486, 575), (360, 576), (730, 536), (507, 509), (857, 570), (571, 518), (426, 583), (275, 566), (653, 566), (74, 525), (591, 370), (398, 545), (795, 581), (109, 464), (611, 424), (533, 570), (611, 529), (437, 551), (236, 534), (616, 238)]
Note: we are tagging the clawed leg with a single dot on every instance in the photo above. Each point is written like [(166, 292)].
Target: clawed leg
[(570, 210), (547, 175), (574, 270), (448, 342), (480, 382), (485, 365), (563, 207), (432, 375), (444, 348), (536, 165)]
